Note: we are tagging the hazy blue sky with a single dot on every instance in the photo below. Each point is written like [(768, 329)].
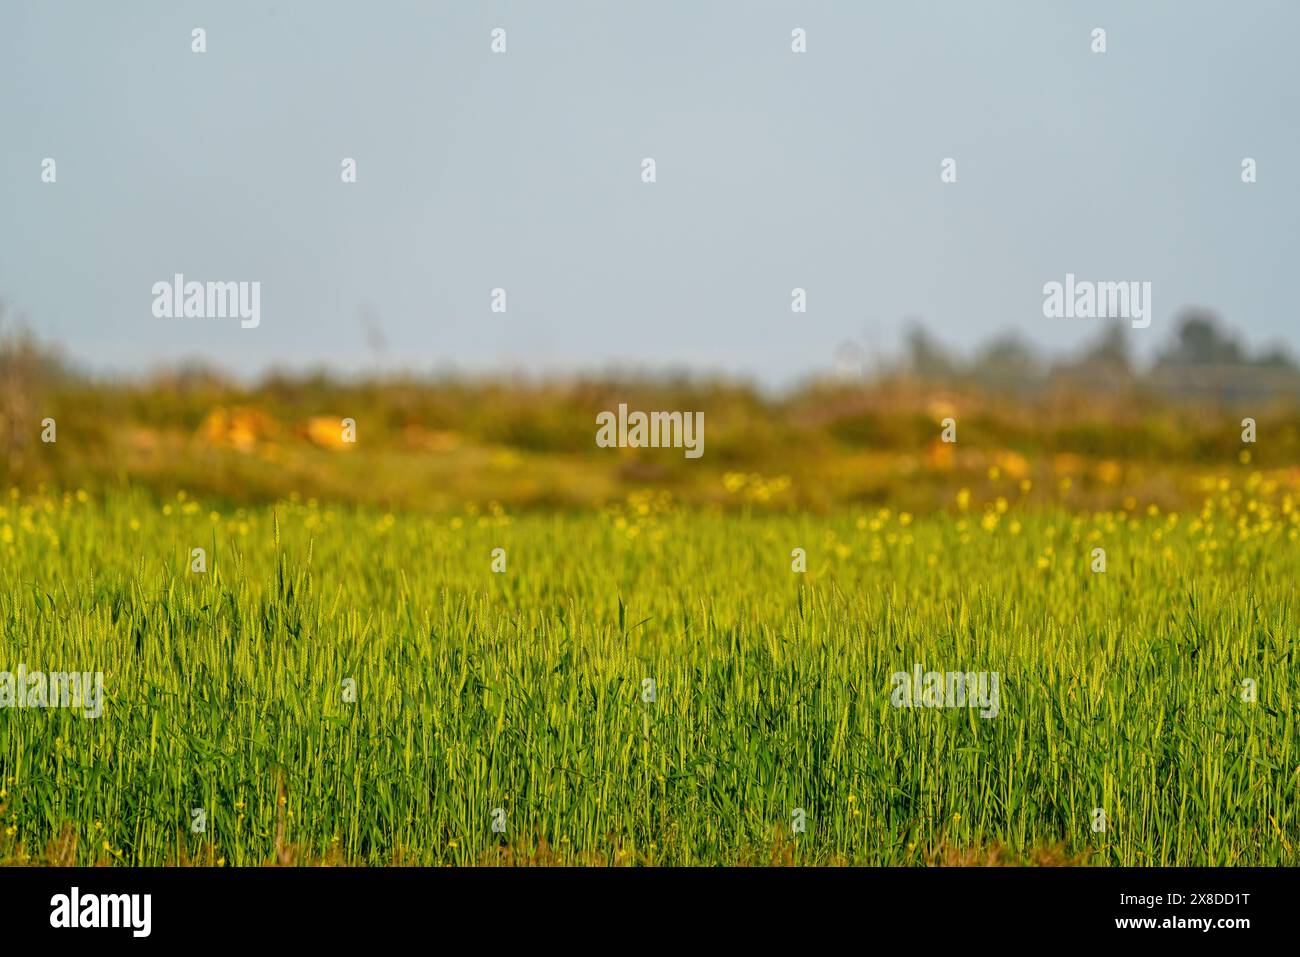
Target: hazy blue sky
[(522, 171)]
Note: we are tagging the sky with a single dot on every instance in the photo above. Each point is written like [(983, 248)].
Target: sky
[(522, 170)]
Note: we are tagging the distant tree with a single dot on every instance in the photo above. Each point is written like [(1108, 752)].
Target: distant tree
[(1007, 361), (1277, 358), (1111, 349), (1199, 341), (1104, 366), (926, 357)]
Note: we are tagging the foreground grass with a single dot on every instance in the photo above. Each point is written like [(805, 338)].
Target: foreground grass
[(524, 690)]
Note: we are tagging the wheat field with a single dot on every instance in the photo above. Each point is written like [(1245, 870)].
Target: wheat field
[(645, 683)]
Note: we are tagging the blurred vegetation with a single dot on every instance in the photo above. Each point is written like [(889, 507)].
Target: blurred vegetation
[(1094, 431)]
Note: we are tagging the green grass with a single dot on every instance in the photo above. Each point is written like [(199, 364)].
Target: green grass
[(523, 690)]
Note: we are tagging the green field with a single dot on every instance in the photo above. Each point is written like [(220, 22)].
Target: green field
[(524, 689)]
